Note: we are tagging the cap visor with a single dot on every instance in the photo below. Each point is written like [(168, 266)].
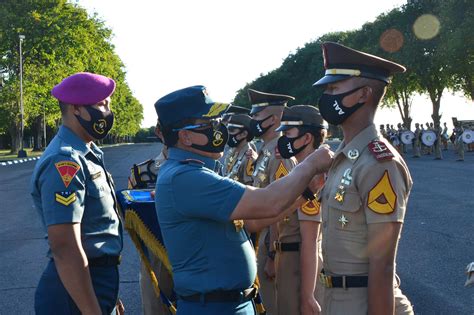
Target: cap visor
[(284, 127), (256, 109), (330, 79), (238, 110)]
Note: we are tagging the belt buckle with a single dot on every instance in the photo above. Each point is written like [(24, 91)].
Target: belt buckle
[(325, 280)]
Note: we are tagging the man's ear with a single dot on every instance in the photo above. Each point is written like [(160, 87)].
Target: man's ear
[(367, 94), (185, 137), (76, 110)]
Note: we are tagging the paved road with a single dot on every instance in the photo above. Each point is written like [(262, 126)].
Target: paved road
[(436, 245)]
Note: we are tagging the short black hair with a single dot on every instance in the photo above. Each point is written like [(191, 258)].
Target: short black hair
[(317, 133), (169, 135), (63, 108)]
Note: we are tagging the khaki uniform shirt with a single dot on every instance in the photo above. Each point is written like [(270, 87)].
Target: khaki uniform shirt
[(368, 183), (238, 166), (268, 168)]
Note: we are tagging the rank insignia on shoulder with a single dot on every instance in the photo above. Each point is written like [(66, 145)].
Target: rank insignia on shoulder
[(65, 197), (192, 162), (67, 170), (382, 198), (250, 168), (380, 151), (281, 171), (311, 207)]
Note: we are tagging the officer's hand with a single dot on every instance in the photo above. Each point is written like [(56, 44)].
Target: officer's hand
[(251, 154), (152, 193), (317, 182), (321, 158), (120, 309), (310, 306), (270, 269)]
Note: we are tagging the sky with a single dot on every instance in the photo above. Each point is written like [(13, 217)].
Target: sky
[(169, 45)]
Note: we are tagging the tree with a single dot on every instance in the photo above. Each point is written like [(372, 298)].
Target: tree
[(61, 39)]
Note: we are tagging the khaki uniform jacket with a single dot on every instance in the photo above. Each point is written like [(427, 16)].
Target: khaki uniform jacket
[(238, 166), (369, 182)]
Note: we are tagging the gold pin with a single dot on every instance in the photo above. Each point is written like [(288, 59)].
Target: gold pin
[(239, 224), (343, 220), (286, 219)]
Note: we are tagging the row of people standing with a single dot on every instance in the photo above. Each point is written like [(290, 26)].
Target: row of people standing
[(204, 217)]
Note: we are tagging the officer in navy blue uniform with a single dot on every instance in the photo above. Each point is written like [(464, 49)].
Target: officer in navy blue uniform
[(213, 261), (74, 196)]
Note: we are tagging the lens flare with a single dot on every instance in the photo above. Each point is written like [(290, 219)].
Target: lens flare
[(391, 40), (426, 26)]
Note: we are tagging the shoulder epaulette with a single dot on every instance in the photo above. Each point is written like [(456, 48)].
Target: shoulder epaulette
[(380, 150)]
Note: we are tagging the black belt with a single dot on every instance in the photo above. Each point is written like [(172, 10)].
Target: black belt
[(105, 261), (231, 296), (286, 247), (343, 281)]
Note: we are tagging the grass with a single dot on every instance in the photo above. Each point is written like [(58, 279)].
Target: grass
[(6, 156)]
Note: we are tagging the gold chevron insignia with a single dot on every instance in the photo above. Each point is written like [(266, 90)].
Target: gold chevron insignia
[(65, 197), (281, 171), (311, 207), (382, 198)]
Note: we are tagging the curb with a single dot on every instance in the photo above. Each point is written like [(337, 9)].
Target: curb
[(13, 162)]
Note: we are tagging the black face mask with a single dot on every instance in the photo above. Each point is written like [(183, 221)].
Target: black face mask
[(256, 126), (216, 139), (286, 146), (99, 125), (332, 110), (233, 141)]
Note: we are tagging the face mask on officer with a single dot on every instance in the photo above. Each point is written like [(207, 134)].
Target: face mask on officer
[(332, 109), (216, 138), (286, 146), (99, 125), (257, 128), (233, 141)]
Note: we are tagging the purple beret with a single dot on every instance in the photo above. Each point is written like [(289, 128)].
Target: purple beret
[(84, 88)]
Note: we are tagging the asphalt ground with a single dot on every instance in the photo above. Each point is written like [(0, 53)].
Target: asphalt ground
[(436, 245)]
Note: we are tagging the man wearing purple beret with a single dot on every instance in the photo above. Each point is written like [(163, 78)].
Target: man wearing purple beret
[(74, 196)]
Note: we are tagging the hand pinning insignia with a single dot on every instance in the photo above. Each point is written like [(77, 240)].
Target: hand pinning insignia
[(382, 198)]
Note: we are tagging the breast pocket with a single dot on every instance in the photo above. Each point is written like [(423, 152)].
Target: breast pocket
[(97, 188), (346, 215)]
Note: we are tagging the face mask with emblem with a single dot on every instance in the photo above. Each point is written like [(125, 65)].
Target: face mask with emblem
[(99, 125), (216, 139), (257, 128), (332, 109), (286, 146)]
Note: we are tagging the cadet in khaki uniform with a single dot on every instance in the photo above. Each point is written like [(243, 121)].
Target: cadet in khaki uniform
[(459, 144), (266, 112), (238, 166), (437, 145), (364, 200), (298, 258), (417, 142)]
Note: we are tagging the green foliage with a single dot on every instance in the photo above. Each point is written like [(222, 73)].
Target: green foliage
[(60, 39), (445, 61)]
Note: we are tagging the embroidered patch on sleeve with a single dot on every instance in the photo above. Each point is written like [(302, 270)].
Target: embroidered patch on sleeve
[(380, 151), (65, 197), (311, 207), (67, 170), (382, 198), (281, 171)]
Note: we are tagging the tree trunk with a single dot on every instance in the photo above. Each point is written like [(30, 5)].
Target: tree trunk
[(15, 137), (38, 133), (435, 97)]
